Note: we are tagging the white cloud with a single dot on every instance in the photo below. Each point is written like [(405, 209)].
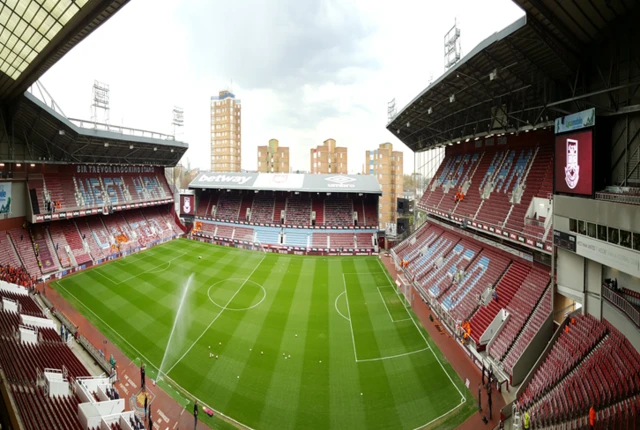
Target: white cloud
[(305, 71)]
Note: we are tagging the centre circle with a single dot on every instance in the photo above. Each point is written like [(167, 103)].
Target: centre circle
[(226, 294)]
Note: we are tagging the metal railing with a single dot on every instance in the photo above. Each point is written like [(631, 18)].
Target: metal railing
[(127, 131), (95, 353), (534, 222), (618, 198), (620, 302), (469, 219)]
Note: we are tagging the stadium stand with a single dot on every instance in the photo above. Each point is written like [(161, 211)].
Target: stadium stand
[(460, 274), (498, 184), (370, 212), (487, 268), (243, 233), (68, 191), (297, 237), (262, 210), (22, 241), (338, 212), (534, 323), (267, 235), (228, 206), (506, 289), (32, 356), (245, 206), (590, 364), (44, 249), (520, 309), (317, 208), (266, 208), (320, 240), (279, 206), (298, 211), (95, 247), (363, 240), (208, 199), (61, 245), (8, 255)]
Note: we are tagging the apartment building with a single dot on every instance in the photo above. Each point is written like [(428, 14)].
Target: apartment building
[(328, 158), (387, 165), (226, 132), (273, 158)]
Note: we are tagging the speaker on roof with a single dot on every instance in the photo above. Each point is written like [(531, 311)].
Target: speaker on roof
[(402, 206), (402, 225)]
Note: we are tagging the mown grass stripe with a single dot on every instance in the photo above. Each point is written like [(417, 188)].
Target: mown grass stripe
[(271, 393)]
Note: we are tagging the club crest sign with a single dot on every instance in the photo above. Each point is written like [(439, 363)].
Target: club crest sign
[(572, 168), (187, 206)]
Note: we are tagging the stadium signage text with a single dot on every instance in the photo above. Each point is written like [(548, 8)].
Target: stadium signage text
[(576, 121), (224, 178), (92, 168)]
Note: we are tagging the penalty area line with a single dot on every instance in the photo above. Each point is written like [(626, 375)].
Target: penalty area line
[(423, 336), (146, 360), (346, 296), (393, 356)]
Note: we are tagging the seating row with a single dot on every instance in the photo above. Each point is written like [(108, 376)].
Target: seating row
[(458, 273), (66, 192), (266, 208), (489, 178), (43, 249), (591, 364)]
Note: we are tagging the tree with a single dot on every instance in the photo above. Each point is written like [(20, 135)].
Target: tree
[(410, 182)]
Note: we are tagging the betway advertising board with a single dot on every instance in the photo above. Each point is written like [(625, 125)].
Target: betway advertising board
[(287, 182)]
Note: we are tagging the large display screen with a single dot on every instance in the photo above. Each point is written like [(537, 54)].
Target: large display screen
[(574, 163), (187, 204)]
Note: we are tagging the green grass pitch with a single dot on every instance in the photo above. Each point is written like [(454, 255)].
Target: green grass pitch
[(359, 358)]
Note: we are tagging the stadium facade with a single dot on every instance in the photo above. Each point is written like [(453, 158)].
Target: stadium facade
[(73, 194), (528, 257), (289, 213), (529, 254)]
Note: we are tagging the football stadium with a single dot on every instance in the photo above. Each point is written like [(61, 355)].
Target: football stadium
[(251, 300)]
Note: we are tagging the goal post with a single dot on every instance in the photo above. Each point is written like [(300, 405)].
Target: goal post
[(404, 286)]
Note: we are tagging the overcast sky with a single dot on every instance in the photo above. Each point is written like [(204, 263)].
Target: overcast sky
[(305, 70)]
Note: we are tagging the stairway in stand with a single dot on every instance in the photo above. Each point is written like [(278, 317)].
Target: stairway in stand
[(22, 241), (506, 289)]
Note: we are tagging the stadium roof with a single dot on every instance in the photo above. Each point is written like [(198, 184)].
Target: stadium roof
[(364, 184), (35, 34), (48, 136), (523, 76)]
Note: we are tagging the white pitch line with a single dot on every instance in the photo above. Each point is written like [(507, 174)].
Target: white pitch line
[(393, 356), (385, 305), (217, 316), (346, 296), (106, 277), (441, 416), (146, 360), (153, 268), (335, 304), (425, 339), (361, 273)]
